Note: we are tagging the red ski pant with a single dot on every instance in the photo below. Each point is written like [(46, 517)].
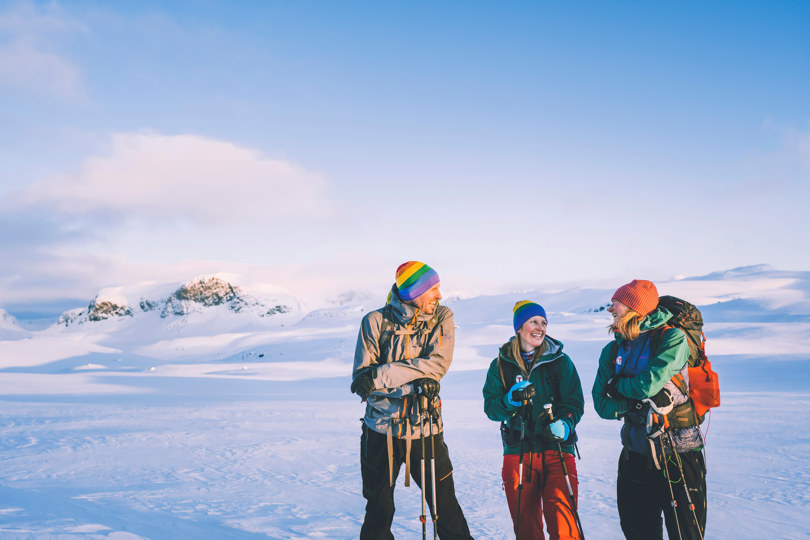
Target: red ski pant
[(544, 494)]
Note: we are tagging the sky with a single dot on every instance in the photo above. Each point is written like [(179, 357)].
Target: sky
[(318, 145)]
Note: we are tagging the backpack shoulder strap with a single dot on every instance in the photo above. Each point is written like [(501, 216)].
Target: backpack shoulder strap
[(551, 372), (387, 325), (657, 336), (655, 341), (386, 328)]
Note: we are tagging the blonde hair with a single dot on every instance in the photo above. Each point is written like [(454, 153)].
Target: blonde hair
[(518, 357), (628, 325)]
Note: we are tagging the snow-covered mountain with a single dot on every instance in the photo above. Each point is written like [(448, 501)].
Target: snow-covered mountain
[(215, 422), (8, 325), (214, 319), (191, 297)]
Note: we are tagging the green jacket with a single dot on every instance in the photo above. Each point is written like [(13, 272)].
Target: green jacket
[(670, 359), (649, 375), (556, 381)]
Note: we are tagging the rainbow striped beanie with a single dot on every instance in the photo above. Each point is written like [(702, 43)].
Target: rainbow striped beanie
[(525, 310), (414, 278)]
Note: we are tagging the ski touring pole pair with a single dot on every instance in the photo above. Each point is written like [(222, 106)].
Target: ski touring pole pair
[(664, 466), (665, 431), (668, 433), (425, 407), (567, 478)]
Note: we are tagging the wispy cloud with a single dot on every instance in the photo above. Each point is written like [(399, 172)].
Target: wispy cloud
[(185, 178), (31, 61)]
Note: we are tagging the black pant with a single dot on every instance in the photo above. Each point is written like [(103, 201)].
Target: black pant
[(643, 493), (379, 493)]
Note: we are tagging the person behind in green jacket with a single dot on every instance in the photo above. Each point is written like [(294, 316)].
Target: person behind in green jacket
[(660, 438), (531, 371)]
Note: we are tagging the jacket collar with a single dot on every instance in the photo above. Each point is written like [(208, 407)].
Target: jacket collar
[(659, 317), (404, 311), (552, 351)]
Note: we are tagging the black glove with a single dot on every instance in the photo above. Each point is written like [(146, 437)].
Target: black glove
[(661, 402), (520, 392), (427, 387), (363, 384), (524, 394), (610, 388)]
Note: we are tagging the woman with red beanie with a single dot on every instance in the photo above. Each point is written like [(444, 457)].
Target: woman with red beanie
[(530, 374), (643, 380)]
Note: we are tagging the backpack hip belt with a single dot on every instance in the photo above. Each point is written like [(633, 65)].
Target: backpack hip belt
[(681, 416)]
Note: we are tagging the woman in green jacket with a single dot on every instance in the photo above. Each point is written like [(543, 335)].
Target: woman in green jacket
[(530, 373), (643, 380)]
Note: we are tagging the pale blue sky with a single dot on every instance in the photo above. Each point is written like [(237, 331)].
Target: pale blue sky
[(319, 144)]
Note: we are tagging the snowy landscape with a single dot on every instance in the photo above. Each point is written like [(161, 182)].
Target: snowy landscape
[(204, 409)]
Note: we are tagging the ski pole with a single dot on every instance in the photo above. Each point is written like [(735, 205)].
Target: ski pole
[(669, 483), (683, 479), (422, 401), (431, 412), (520, 467), (567, 478)]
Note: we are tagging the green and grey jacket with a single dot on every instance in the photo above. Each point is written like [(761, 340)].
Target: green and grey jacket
[(415, 346), (643, 370), (556, 381)]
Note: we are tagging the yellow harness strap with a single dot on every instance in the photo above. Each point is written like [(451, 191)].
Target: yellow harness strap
[(390, 441), (408, 454)]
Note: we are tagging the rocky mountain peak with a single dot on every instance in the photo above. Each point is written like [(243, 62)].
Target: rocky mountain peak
[(210, 291), (98, 310), (195, 296)]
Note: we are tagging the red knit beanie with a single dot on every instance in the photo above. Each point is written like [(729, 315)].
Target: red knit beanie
[(639, 295)]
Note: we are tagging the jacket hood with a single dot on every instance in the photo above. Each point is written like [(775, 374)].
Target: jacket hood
[(552, 351), (652, 320), (657, 318)]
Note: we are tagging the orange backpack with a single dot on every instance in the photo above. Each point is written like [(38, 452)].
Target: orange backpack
[(704, 386)]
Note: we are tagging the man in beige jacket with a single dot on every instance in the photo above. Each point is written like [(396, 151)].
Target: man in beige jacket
[(403, 350)]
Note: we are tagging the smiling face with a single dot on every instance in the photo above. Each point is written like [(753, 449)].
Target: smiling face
[(428, 300), (532, 333), (618, 310)]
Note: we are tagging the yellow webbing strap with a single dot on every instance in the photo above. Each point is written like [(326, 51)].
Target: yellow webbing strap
[(390, 441), (407, 454)]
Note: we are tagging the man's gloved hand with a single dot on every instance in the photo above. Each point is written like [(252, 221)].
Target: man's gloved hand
[(519, 393), (660, 402), (558, 430), (610, 388), (427, 387), (363, 384)]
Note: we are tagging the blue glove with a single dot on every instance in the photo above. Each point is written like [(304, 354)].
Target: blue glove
[(559, 430), (519, 393)]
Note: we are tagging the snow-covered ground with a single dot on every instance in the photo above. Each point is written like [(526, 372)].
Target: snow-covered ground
[(223, 424)]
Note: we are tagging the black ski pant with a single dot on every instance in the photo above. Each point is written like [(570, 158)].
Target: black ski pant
[(642, 495), (379, 493)]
